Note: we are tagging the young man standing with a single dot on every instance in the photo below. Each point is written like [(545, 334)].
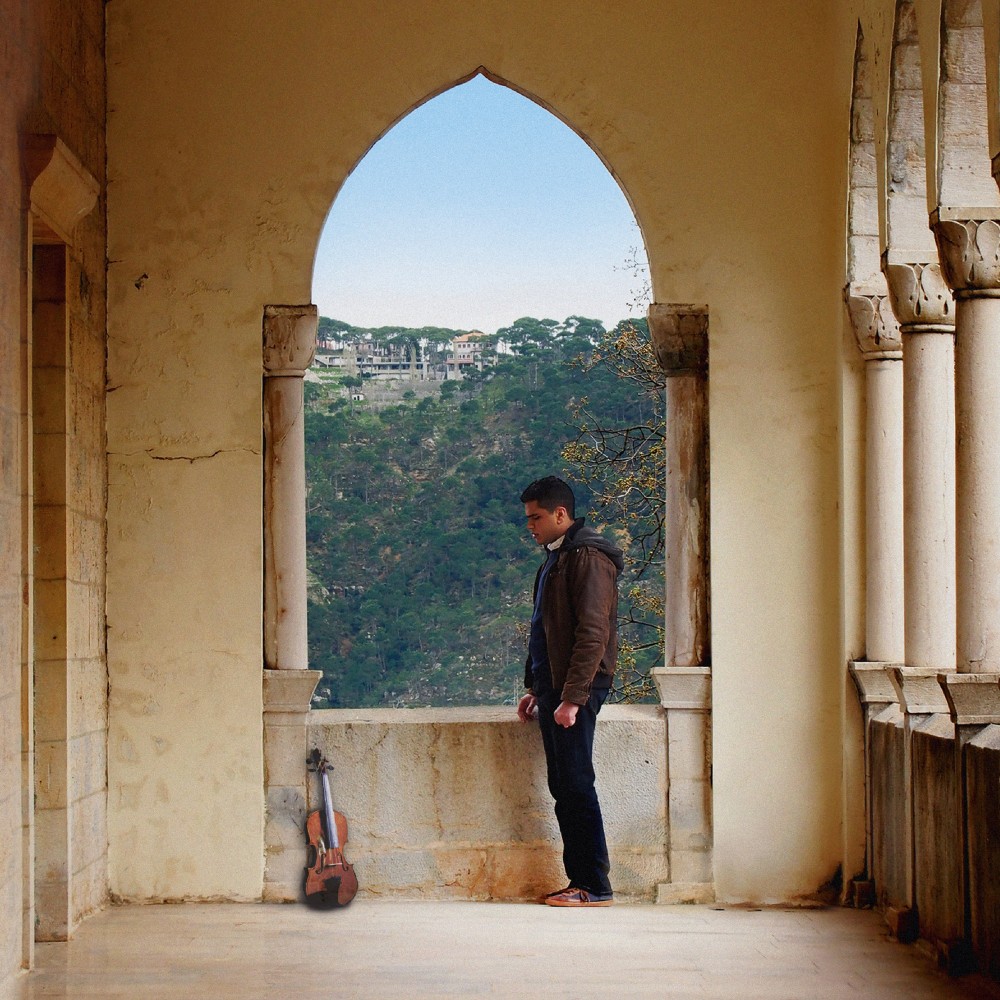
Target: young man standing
[(572, 649)]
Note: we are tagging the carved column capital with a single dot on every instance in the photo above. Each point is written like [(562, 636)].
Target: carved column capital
[(876, 328), (289, 339), (921, 298), (62, 191), (969, 249), (679, 333)]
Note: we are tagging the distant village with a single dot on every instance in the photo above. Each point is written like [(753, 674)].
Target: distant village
[(409, 359)]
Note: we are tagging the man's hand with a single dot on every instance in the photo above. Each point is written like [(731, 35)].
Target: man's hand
[(565, 714), (526, 708)]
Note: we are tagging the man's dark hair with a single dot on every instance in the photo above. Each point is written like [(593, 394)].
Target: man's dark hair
[(551, 492)]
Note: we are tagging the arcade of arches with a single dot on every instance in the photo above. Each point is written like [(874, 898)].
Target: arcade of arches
[(816, 188)]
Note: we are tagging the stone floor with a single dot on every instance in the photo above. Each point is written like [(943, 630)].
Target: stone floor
[(412, 949)]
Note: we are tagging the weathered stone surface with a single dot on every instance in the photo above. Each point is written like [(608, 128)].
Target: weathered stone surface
[(889, 808), (970, 251), (920, 296), (453, 802), (937, 830), (982, 768)]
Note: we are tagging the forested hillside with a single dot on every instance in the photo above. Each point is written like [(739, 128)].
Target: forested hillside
[(420, 564)]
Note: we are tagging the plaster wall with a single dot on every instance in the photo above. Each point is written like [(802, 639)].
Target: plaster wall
[(217, 197)]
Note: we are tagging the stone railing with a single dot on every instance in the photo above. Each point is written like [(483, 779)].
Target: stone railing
[(453, 804), (933, 749)]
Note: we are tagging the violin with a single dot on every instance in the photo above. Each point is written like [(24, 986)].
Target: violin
[(329, 880)]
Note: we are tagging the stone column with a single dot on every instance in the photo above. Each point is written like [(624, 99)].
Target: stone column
[(925, 310), (877, 332), (924, 707), (969, 247), (289, 346), (54, 833), (970, 259), (924, 307), (679, 334)]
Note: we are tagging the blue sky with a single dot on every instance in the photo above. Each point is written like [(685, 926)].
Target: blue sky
[(477, 208)]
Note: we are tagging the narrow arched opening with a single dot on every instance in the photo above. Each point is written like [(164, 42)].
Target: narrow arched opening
[(468, 278)]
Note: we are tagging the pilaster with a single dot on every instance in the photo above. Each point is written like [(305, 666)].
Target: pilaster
[(920, 699), (876, 693), (686, 697), (289, 339), (287, 696), (679, 334)]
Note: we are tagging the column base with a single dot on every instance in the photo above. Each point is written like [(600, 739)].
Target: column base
[(686, 697), (903, 923), (287, 696)]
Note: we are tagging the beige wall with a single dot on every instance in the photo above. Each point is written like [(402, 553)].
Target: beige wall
[(217, 199), (52, 459)]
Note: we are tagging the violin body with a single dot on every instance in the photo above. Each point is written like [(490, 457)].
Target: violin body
[(329, 880)]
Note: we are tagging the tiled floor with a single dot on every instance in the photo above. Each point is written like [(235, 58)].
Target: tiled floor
[(412, 949)]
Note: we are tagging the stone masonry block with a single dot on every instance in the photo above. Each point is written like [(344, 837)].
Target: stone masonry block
[(285, 753), (286, 817), (688, 750)]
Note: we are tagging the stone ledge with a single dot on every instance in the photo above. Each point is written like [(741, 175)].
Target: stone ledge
[(873, 682), (687, 688), (458, 716), (289, 690), (919, 690), (973, 699)]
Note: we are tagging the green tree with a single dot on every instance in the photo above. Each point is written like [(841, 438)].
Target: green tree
[(619, 454)]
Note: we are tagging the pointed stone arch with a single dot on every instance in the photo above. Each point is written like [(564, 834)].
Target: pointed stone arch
[(528, 95), (862, 215), (906, 168), (963, 154)]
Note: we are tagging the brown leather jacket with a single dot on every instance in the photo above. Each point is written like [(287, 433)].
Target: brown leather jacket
[(580, 614)]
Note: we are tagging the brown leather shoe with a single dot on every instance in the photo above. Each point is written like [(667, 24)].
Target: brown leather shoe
[(577, 897)]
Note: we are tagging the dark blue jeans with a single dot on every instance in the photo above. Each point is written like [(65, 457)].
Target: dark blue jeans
[(569, 758)]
